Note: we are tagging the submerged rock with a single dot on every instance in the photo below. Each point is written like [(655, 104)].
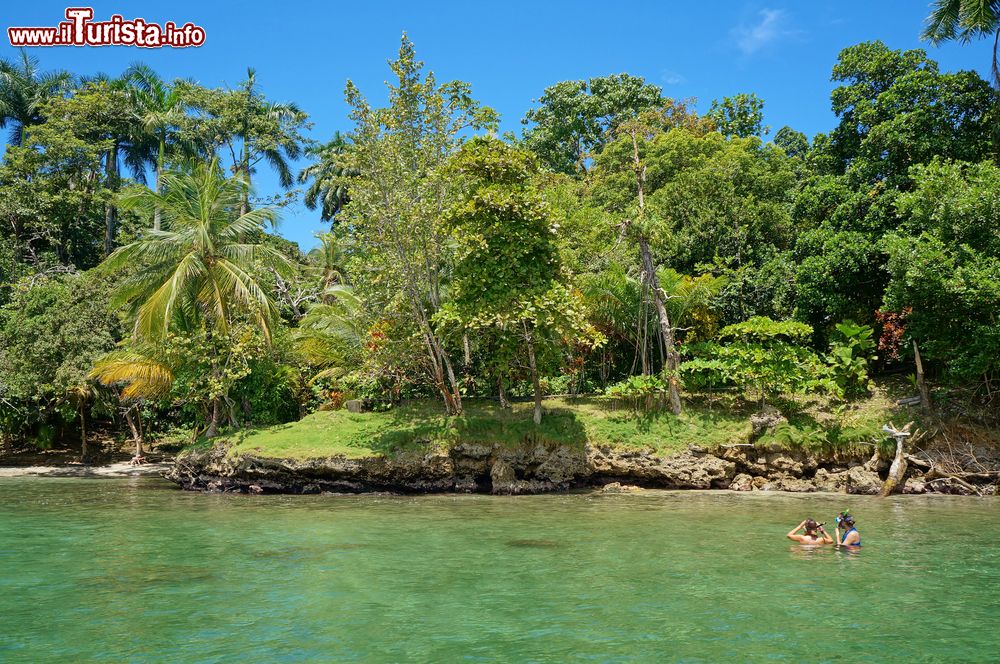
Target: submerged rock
[(618, 487), (533, 543)]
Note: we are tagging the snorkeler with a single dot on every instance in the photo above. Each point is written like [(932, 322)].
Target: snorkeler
[(814, 533), (851, 537)]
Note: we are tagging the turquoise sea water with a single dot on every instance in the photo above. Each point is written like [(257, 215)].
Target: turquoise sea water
[(137, 571)]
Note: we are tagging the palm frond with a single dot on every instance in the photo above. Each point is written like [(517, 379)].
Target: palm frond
[(143, 376)]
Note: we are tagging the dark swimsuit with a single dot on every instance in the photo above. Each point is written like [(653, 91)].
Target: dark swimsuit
[(852, 530)]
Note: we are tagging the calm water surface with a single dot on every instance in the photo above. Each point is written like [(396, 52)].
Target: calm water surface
[(136, 571)]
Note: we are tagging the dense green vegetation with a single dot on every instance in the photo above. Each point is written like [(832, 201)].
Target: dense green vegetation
[(624, 248)]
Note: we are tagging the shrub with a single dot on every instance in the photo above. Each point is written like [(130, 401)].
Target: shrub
[(759, 355), (851, 349)]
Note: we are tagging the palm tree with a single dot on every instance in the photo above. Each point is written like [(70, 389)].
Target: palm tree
[(197, 270), (160, 108), (23, 92), (618, 306), (269, 132), (965, 20), (128, 145), (328, 174), (144, 376), (329, 335), (328, 261)]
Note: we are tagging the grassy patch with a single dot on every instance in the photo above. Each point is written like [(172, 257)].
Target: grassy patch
[(852, 427), (708, 421), (422, 425)]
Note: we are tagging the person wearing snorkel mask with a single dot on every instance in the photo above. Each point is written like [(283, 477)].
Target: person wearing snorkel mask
[(851, 536), (814, 533)]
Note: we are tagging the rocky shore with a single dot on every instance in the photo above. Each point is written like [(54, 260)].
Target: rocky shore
[(531, 469)]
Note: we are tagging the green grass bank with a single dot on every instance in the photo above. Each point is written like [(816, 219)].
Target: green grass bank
[(708, 421)]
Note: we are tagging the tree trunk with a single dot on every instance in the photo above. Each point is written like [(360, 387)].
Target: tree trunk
[(535, 383), (455, 391), (110, 211), (213, 424), (444, 375), (925, 396), (666, 329), (132, 417), (503, 395), (83, 436), (159, 177), (245, 199), (897, 470), (673, 360)]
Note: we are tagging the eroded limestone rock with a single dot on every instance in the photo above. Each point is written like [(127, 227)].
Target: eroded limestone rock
[(834, 482), (742, 482), (864, 482)]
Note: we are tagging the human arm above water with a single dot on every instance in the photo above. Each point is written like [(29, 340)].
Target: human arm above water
[(793, 533)]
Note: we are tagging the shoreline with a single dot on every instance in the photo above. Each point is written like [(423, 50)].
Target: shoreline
[(122, 469), (534, 469), (621, 486), (520, 469)]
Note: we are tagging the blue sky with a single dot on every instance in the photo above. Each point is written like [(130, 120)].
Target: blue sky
[(305, 51)]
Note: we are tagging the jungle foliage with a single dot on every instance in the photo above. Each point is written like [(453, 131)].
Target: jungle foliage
[(624, 244)]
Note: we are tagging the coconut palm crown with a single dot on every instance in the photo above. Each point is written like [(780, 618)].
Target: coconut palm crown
[(201, 268)]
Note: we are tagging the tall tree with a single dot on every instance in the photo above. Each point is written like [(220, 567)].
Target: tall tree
[(161, 113), (328, 174), (507, 277), (250, 127), (897, 109), (24, 90), (574, 118), (628, 171), (128, 143), (400, 192), (98, 116)]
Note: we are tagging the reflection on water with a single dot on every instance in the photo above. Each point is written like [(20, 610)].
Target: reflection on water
[(134, 570)]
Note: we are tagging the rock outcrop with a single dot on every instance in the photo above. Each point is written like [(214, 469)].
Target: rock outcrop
[(464, 468), (538, 468)]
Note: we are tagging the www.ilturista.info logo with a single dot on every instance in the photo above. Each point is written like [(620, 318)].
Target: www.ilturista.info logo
[(80, 30)]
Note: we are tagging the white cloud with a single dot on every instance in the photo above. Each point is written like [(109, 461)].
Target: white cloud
[(671, 77), (771, 25)]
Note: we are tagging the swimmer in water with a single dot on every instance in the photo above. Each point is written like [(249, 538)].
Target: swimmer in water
[(851, 537), (814, 533)]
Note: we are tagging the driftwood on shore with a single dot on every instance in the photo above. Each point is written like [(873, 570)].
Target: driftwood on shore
[(897, 471)]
